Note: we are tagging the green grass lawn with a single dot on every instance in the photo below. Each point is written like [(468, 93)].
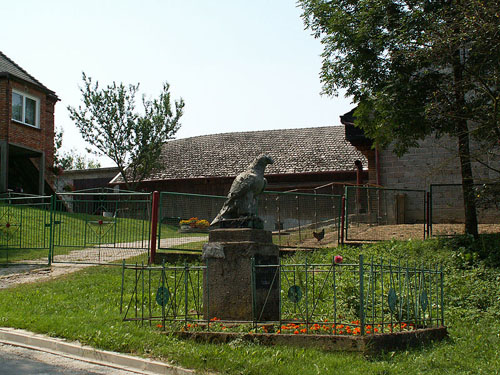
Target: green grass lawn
[(85, 306)]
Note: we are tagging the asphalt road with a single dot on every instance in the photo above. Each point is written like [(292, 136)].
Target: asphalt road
[(21, 361)]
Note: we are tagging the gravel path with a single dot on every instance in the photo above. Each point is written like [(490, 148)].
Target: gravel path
[(35, 272)]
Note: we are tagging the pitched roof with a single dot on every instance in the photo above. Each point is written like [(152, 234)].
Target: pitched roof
[(321, 149), (7, 66)]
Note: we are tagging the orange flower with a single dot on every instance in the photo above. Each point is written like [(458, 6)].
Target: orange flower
[(303, 330), (295, 332)]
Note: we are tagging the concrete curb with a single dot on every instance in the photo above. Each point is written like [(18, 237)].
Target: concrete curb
[(75, 350)]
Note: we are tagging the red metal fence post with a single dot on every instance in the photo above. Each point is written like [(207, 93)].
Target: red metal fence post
[(154, 226)]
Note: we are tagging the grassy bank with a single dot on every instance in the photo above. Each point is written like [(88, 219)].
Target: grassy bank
[(85, 307)]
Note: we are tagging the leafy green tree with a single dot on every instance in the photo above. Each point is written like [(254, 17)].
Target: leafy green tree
[(415, 68), (69, 160), (108, 120)]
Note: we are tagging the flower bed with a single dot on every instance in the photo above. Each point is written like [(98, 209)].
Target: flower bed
[(193, 225)]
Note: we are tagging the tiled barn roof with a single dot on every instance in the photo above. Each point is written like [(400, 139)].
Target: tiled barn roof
[(321, 149)]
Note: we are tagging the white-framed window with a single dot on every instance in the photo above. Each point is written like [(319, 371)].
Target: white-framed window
[(25, 108)]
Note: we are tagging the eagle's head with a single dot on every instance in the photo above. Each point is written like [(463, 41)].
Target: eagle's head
[(264, 159), (261, 161)]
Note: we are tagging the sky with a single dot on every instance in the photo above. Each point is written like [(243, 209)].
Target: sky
[(239, 65)]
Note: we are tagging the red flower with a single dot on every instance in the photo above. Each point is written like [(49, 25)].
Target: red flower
[(338, 259)]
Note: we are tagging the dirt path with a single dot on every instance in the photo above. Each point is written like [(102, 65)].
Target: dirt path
[(36, 271)]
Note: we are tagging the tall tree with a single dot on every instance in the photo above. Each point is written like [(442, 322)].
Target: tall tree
[(108, 121), (72, 159), (415, 68)]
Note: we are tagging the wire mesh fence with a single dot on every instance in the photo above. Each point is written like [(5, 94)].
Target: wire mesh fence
[(447, 215), (297, 220), (358, 298), (377, 214), (184, 220), (301, 220), (24, 227), (104, 227)]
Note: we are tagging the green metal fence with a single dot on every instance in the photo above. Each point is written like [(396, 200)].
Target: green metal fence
[(24, 227), (339, 298), (166, 293), (177, 207), (297, 220), (378, 214), (103, 227)]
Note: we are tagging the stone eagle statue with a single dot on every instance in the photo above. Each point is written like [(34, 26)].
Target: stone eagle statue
[(241, 201)]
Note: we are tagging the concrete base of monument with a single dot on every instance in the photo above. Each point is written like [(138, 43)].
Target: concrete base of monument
[(368, 345), (233, 289)]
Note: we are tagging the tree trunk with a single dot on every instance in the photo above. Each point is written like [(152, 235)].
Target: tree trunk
[(463, 145), (467, 183)]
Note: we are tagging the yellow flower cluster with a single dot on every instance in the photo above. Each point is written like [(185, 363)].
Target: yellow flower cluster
[(195, 223)]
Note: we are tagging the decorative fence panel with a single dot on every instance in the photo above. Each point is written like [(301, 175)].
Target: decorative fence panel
[(101, 227), (24, 227), (359, 298), (356, 298), (377, 214), (166, 293)]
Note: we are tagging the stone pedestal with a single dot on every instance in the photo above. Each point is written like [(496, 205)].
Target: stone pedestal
[(228, 278)]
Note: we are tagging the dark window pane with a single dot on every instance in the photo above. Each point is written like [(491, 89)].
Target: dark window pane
[(17, 107), (30, 116)]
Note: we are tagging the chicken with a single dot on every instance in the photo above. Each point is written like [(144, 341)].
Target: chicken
[(319, 235)]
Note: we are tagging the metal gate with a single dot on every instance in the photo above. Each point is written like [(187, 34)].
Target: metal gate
[(381, 214), (24, 228), (101, 227)]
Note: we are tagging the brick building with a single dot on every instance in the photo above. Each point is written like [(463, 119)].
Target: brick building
[(26, 130)]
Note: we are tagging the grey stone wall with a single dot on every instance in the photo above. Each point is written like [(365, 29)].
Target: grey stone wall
[(434, 162)]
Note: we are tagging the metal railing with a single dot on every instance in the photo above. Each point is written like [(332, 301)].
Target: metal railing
[(357, 298)]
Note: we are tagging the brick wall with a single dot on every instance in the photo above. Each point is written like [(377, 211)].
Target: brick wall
[(39, 139), (4, 109)]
